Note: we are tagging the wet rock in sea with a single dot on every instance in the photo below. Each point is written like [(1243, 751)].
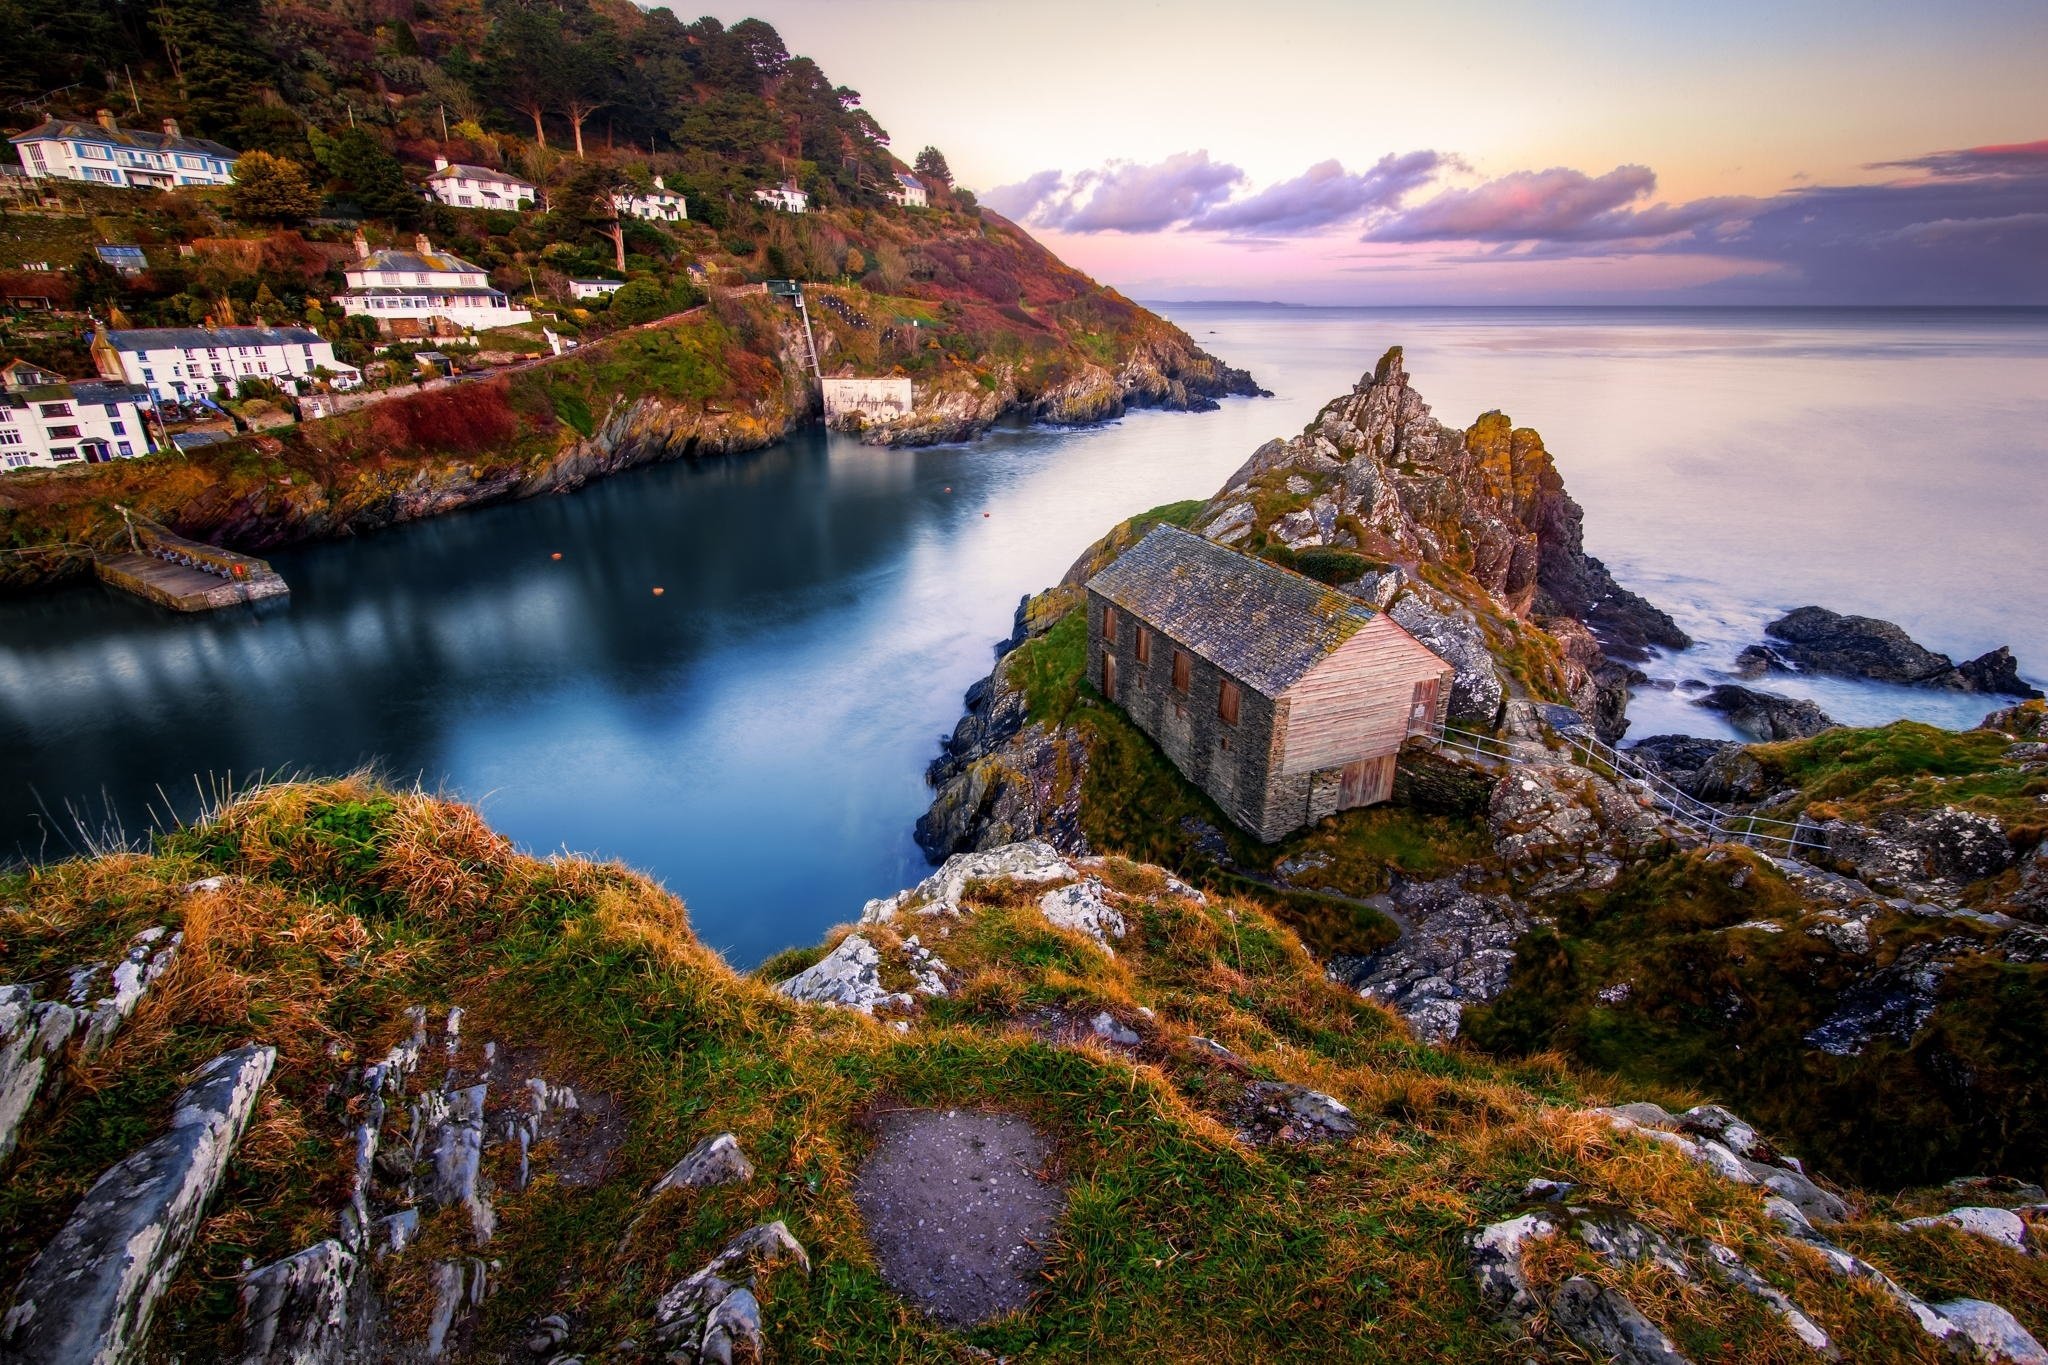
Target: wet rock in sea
[(1757, 660), (1458, 949), (714, 1161), (1822, 641), (1765, 715), (89, 1295)]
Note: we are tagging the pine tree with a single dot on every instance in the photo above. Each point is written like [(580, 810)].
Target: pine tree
[(931, 165), (271, 189)]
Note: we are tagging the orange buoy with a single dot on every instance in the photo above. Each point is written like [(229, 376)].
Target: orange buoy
[(659, 591), (984, 514), (556, 555)]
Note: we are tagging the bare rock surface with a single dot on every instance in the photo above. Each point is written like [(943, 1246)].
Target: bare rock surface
[(849, 976), (89, 1294), (714, 1161), (1766, 715), (957, 1210), (1457, 949)]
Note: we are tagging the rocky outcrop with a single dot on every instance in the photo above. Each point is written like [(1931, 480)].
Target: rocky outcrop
[(89, 1295), (1456, 949), (714, 1315), (1477, 692), (1822, 641), (1766, 715)]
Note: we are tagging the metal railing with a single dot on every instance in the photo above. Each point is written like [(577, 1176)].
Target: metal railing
[(1584, 751)]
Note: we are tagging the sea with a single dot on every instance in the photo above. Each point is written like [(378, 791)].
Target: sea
[(755, 734)]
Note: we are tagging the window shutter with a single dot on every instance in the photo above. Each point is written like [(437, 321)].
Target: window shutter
[(1144, 645), (1226, 702), (1109, 625), (1181, 666)]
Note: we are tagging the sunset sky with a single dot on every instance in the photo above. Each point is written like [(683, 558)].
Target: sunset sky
[(1317, 151)]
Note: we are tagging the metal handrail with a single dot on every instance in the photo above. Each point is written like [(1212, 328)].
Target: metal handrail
[(1585, 751)]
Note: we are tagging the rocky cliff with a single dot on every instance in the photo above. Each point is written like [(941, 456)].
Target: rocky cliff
[(337, 1075)]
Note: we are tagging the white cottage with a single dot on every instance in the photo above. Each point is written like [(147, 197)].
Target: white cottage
[(191, 362), (909, 192), (43, 426), (478, 187), (104, 153), (785, 198), (660, 204), (409, 292)]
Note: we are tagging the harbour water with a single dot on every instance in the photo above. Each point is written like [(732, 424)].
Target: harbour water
[(755, 735)]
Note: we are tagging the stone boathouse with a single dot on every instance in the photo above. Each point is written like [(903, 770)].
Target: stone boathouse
[(1283, 699)]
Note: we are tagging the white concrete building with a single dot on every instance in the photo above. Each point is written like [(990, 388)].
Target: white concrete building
[(594, 289), (909, 192), (478, 187), (193, 362), (660, 204), (784, 198), (46, 425), (871, 400), (104, 153), (407, 292)]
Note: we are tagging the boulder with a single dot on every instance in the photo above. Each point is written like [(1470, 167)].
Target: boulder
[(850, 976), (1288, 1112), (714, 1161), (2021, 722), (32, 1038), (1997, 673), (1608, 1326), (296, 1311), (1993, 1331), (1765, 715), (88, 1295), (1476, 689), (1945, 848), (2002, 1226), (1032, 860), (1822, 641), (1084, 907)]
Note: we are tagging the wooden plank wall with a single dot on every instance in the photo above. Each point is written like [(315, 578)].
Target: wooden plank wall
[(1354, 704)]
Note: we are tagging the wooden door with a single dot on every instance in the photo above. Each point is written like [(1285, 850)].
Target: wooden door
[(1109, 676), (1366, 782), (1422, 707)]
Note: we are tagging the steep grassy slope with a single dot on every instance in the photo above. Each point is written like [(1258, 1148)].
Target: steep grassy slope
[(315, 915)]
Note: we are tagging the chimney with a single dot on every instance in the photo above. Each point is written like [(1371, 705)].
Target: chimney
[(170, 127), (106, 118), (657, 183), (362, 245), (422, 245), (440, 163)]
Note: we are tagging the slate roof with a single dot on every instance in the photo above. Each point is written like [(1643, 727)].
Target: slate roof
[(457, 171), (79, 130), (413, 262), (1264, 625), (181, 338)]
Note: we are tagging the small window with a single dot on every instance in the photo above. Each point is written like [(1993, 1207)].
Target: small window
[(1144, 645), (1109, 625), (1226, 702), (1183, 666)]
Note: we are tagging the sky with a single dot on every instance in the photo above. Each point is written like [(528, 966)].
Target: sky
[(1482, 151)]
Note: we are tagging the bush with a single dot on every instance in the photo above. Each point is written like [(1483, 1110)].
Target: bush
[(637, 302)]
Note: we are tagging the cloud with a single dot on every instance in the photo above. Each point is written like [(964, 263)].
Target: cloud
[(1120, 196), (1557, 205), (1326, 194), (2012, 158)]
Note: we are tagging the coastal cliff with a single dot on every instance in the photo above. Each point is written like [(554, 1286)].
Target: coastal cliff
[(338, 1075)]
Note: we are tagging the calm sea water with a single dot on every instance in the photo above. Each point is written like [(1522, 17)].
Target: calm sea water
[(756, 736)]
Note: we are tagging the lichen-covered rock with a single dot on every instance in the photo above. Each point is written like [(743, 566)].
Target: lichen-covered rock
[(1993, 1331), (149, 955), (2002, 1226), (1608, 1326), (1084, 906), (1941, 849), (1477, 693), (1457, 950), (716, 1160), (296, 1311), (687, 1317), (850, 976), (1283, 1111), (88, 1296), (1032, 860), (32, 1037)]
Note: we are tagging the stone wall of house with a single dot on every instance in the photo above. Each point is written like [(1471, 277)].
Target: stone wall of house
[(1232, 763)]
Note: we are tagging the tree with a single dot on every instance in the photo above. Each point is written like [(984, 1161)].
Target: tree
[(271, 189), (523, 61), (931, 165), (368, 176), (592, 195)]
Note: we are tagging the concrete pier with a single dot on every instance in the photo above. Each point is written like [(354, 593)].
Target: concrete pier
[(186, 575)]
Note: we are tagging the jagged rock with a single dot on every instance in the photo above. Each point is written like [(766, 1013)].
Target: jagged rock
[(714, 1161), (1001, 779), (1497, 1263), (1477, 692), (460, 1287), (1731, 1269), (1894, 1002), (1609, 1326), (1032, 860), (1757, 660), (1106, 1027), (89, 1294), (32, 1038), (455, 1122), (1457, 950), (150, 954), (1724, 1127), (1232, 524), (2002, 1226), (2021, 722), (850, 976), (1993, 1331), (734, 1325), (1823, 641), (1285, 1111), (296, 1311), (1686, 760), (1946, 847), (1560, 815), (1084, 907), (928, 970), (685, 1312), (1765, 715)]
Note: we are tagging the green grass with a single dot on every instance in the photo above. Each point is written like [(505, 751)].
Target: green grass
[(1906, 766)]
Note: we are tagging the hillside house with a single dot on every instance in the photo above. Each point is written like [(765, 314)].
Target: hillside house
[(410, 292), (49, 425), (478, 187), (175, 363), (104, 153), (1283, 699), (19, 374), (127, 260), (785, 198), (909, 192), (594, 289), (660, 204)]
